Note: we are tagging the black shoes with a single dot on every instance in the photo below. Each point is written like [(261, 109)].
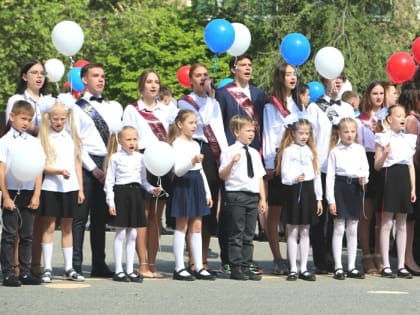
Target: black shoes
[(28, 278), (387, 273), (292, 276), (237, 273), (135, 277), (307, 276), (101, 272), (412, 271), (11, 281), (120, 277), (355, 274), (339, 274), (404, 274), (203, 274), (177, 275)]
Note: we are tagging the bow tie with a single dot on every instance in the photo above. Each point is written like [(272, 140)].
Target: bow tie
[(98, 99), (332, 102), (17, 134)]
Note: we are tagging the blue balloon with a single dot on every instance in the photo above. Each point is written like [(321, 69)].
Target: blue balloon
[(224, 82), (75, 80), (295, 49), (219, 35), (316, 90)]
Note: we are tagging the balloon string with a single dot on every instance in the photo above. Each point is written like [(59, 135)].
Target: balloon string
[(214, 64), (71, 62), (58, 87), (297, 90), (159, 184)]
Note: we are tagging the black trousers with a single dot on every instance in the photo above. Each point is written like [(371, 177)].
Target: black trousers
[(321, 235), (17, 222), (96, 206), (240, 214)]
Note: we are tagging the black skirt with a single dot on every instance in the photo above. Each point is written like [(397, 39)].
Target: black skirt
[(373, 185), (276, 192), (348, 195), (300, 204), (58, 204), (395, 192), (129, 206)]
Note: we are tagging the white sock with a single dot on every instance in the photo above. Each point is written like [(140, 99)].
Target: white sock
[(292, 233), (304, 247), (337, 241), (401, 238), (130, 248), (178, 248), (196, 246), (118, 249), (68, 258), (351, 237), (386, 226), (47, 251)]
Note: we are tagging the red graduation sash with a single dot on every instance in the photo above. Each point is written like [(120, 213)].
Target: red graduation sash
[(154, 123), (283, 111), (208, 130)]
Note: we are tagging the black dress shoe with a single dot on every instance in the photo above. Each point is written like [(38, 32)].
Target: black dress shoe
[(307, 276), (120, 277), (102, 272), (292, 276), (404, 274), (11, 281), (339, 274), (387, 273), (355, 274), (412, 271), (203, 275), (177, 275), (28, 278)]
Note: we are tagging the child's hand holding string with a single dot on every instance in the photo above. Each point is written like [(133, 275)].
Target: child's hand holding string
[(362, 182), (157, 190), (8, 204)]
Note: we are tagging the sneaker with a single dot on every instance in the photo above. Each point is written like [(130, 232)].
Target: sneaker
[(28, 278), (255, 268), (71, 274), (252, 273), (280, 267), (226, 269), (46, 276), (11, 281)]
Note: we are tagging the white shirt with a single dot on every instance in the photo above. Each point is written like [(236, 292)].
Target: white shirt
[(63, 145), (297, 160), (349, 161), (403, 147), (322, 134), (8, 144), (125, 168), (92, 142), (238, 179), (209, 114), (36, 120), (132, 117), (273, 130), (184, 151)]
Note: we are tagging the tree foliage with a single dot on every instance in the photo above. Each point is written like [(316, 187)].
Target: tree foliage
[(130, 36)]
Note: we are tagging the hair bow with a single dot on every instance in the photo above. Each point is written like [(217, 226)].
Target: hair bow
[(66, 99), (46, 103)]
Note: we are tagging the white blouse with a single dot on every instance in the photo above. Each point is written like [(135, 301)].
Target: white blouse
[(403, 147)]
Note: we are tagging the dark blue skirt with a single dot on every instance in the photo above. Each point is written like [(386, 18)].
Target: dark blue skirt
[(348, 195), (189, 196)]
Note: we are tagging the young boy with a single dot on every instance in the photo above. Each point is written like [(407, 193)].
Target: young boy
[(353, 99), (20, 199), (242, 170)]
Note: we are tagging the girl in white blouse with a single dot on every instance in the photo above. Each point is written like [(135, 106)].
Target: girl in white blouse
[(297, 162), (394, 159), (347, 173)]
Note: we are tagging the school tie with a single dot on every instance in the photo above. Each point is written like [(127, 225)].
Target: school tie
[(249, 167), (98, 99)]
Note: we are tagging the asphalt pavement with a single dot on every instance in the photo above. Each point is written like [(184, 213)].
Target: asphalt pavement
[(271, 295)]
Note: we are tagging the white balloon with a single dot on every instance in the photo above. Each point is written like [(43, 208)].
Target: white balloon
[(55, 69), (329, 62), (159, 158), (27, 161), (242, 40), (67, 37)]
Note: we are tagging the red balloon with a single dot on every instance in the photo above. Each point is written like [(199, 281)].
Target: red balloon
[(415, 49), (183, 76), (80, 63), (400, 67)]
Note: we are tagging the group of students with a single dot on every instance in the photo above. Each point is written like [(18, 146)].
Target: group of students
[(240, 157)]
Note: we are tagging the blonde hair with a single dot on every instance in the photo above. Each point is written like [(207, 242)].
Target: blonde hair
[(287, 140), (113, 144), (335, 131), (173, 131), (45, 132), (237, 122)]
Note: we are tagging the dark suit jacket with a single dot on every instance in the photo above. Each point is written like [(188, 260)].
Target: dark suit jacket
[(230, 108)]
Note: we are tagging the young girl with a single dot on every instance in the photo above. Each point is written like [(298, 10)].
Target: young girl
[(125, 177), (62, 188), (394, 159), (191, 196), (347, 173), (297, 162)]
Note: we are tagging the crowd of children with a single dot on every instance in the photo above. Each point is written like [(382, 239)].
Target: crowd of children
[(323, 169)]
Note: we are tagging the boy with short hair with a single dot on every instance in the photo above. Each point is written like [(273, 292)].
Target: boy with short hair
[(353, 99), (20, 199), (244, 196)]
